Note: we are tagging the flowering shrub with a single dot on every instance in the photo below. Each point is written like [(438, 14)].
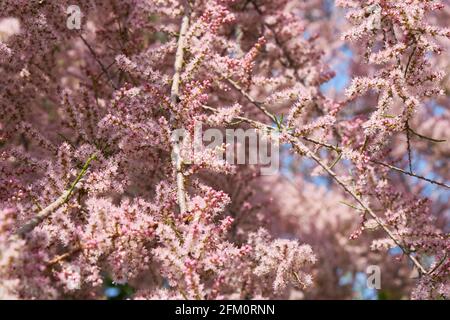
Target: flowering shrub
[(94, 186)]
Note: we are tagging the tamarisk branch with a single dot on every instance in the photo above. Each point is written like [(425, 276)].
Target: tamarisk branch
[(44, 213)]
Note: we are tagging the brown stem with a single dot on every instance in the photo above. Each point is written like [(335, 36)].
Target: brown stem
[(104, 69)]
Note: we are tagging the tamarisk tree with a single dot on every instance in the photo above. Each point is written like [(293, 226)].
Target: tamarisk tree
[(95, 188)]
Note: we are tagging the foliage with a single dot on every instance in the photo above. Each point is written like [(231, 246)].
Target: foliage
[(90, 170)]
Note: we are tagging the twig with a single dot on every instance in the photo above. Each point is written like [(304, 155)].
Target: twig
[(300, 282), (364, 146), (409, 62), (338, 150), (80, 175), (259, 105), (104, 69), (425, 137), (103, 72), (411, 174), (408, 142), (336, 161), (44, 213), (364, 208), (64, 256), (351, 206), (438, 265)]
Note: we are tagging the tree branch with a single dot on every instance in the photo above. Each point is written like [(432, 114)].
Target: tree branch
[(44, 213), (425, 137), (411, 174), (303, 149), (174, 96), (104, 69), (338, 150), (408, 143), (63, 256), (300, 146)]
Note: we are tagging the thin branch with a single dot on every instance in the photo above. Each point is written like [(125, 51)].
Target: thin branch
[(259, 105), (64, 256), (97, 77), (303, 149), (351, 206), (104, 69), (338, 158), (411, 174), (409, 62), (408, 142), (44, 213), (425, 137), (297, 278), (296, 143), (364, 146), (323, 144), (438, 265), (338, 150), (174, 96), (80, 175)]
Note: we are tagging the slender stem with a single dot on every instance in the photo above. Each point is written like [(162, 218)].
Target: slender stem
[(408, 142), (409, 62), (425, 137), (55, 205), (336, 161), (104, 69), (351, 206), (298, 145), (411, 174), (439, 264), (259, 105), (80, 175)]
